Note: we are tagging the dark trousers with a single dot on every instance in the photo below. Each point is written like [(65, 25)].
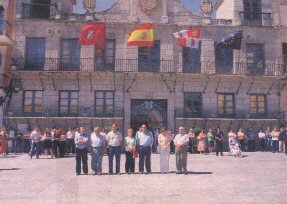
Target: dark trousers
[(70, 147), (114, 151), (27, 145), (275, 145), (144, 158), (18, 148), (262, 144), (251, 145), (130, 163), (219, 147), (242, 144), (81, 157), (190, 146), (286, 147), (57, 148)]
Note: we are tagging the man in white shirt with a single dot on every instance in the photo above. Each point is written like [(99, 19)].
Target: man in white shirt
[(35, 139), (98, 143), (114, 140), (181, 141)]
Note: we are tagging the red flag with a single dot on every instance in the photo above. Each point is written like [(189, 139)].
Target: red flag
[(93, 34)]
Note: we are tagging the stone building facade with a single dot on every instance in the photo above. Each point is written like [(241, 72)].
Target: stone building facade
[(7, 13), (64, 85)]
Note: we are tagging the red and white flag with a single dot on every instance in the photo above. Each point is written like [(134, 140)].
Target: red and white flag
[(188, 38), (93, 34)]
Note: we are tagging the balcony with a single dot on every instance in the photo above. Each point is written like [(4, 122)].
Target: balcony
[(82, 112), (255, 19), (38, 11), (136, 65), (211, 114)]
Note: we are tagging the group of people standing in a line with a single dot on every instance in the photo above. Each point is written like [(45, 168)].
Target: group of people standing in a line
[(138, 146)]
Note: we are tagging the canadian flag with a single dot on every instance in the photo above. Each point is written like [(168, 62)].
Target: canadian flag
[(188, 38)]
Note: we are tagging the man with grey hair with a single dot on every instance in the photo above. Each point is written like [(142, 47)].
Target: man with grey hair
[(98, 143), (181, 141)]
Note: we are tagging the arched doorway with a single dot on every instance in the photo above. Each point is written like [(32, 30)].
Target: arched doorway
[(151, 112)]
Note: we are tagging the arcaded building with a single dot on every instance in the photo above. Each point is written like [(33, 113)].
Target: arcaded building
[(59, 83)]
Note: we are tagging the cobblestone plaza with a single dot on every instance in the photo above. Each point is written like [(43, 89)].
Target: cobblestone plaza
[(255, 178)]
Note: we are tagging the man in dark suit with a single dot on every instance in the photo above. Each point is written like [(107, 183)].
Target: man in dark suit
[(219, 141)]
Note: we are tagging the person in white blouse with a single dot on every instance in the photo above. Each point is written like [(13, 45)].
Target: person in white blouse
[(262, 138), (98, 144), (164, 140), (130, 147)]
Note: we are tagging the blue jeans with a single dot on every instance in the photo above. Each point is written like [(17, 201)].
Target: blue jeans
[(144, 157), (268, 144), (97, 158), (114, 151), (34, 149)]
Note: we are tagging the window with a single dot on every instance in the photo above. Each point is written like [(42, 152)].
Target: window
[(252, 15), (70, 55), (69, 103), (35, 53), (192, 104), (33, 102), (104, 103), (257, 105), (105, 59), (191, 59), (225, 105), (224, 60), (2, 21), (255, 59), (39, 9), (284, 46), (149, 58)]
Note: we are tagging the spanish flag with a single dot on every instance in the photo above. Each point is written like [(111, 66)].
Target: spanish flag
[(142, 36)]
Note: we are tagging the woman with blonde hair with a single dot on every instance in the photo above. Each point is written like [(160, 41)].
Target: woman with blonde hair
[(164, 140), (201, 142), (130, 147)]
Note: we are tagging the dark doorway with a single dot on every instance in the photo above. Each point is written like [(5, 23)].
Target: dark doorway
[(151, 112)]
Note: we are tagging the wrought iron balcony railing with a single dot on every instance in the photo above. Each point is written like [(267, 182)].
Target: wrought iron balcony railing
[(205, 114), (255, 19), (56, 112), (135, 65), (38, 11)]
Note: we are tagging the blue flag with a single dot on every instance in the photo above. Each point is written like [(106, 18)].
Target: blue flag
[(232, 40)]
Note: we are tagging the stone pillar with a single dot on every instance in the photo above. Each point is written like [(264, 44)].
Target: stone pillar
[(133, 11), (164, 17)]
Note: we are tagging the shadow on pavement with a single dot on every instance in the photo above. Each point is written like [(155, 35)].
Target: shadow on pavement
[(10, 169)]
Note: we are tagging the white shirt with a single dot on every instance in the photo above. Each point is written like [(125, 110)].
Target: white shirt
[(35, 136), (70, 135), (97, 140), (261, 135), (130, 142), (181, 139), (114, 139)]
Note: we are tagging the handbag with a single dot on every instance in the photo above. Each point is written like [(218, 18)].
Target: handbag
[(135, 154)]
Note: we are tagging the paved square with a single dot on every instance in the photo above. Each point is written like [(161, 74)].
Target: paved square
[(256, 178)]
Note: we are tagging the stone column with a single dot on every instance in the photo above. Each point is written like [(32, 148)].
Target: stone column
[(133, 10), (164, 17)]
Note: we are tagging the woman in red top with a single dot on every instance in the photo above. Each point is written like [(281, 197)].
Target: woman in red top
[(4, 142)]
